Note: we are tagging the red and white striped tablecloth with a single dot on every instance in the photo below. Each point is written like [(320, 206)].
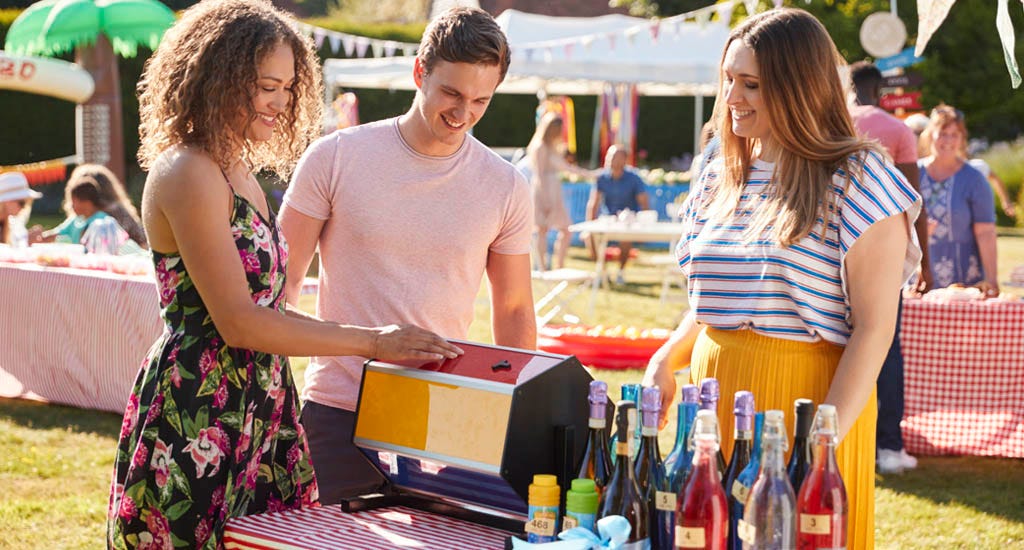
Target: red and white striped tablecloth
[(964, 372), (77, 337), (329, 528), (72, 336)]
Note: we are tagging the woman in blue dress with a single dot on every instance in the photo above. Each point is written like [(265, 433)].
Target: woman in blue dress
[(960, 206)]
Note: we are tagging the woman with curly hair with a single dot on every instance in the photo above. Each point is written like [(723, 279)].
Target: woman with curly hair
[(211, 428)]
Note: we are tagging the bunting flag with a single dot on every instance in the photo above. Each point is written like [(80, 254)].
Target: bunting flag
[(1005, 28), (43, 172), (611, 40), (930, 15), (355, 44), (655, 29), (362, 43)]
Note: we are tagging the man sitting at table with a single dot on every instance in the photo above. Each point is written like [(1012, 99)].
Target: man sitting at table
[(618, 188)]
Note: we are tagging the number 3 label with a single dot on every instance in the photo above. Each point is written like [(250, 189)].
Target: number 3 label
[(815, 524)]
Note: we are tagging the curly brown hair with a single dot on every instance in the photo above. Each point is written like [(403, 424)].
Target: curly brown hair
[(204, 73)]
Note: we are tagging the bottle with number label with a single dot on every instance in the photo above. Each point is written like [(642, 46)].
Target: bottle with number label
[(650, 473), (581, 506), (681, 466), (743, 411), (745, 480), (709, 402), (689, 394), (822, 506), (702, 514), (631, 393), (621, 497), (597, 463), (800, 459), (543, 501), (769, 517)]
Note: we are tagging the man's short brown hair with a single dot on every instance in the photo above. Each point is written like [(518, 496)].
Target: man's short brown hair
[(464, 35)]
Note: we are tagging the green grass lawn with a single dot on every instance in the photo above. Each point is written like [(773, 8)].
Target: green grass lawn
[(56, 462)]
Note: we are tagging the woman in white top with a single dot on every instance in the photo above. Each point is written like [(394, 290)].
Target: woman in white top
[(798, 238)]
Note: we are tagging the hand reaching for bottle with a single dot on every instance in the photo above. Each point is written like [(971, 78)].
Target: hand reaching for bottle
[(410, 343)]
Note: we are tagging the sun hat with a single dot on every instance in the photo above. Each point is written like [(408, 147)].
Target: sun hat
[(916, 122), (14, 187)]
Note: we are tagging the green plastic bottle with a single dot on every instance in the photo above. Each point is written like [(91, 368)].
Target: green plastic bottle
[(581, 505)]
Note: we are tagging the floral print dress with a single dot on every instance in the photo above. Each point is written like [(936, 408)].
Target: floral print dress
[(210, 432)]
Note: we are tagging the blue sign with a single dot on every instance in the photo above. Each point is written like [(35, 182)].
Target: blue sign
[(905, 58)]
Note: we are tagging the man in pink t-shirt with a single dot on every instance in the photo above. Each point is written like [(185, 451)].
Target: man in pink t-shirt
[(901, 143), (409, 213)]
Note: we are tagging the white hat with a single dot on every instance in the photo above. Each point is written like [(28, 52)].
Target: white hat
[(14, 187), (916, 122)]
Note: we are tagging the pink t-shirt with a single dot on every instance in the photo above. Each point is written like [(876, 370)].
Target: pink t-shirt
[(406, 236), (891, 132)]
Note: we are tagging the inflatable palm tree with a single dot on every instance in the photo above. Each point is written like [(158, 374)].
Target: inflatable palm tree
[(95, 30)]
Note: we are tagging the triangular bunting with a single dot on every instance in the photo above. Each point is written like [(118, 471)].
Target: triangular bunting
[(611, 40), (724, 12), (751, 6), (378, 48), (655, 29), (318, 37), (1005, 28), (568, 50), (362, 43), (335, 40), (409, 51), (389, 48), (587, 41), (631, 34), (930, 15)]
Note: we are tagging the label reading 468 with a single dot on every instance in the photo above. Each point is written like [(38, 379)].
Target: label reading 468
[(541, 526)]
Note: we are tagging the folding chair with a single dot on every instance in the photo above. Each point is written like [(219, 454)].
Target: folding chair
[(562, 286)]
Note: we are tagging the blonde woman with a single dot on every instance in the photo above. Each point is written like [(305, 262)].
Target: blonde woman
[(798, 240), (546, 160), (211, 429), (960, 206)]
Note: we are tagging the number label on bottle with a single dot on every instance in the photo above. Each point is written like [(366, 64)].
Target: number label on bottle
[(541, 526), (815, 524), (745, 532), (665, 501), (569, 522), (740, 492), (689, 537)]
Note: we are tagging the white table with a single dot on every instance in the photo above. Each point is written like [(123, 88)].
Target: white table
[(605, 230)]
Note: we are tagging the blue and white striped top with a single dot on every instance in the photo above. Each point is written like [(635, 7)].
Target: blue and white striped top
[(796, 292)]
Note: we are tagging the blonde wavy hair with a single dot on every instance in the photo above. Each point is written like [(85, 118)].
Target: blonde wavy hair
[(203, 75), (810, 125), (942, 116)]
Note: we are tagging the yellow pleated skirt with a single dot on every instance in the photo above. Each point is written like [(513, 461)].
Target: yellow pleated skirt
[(778, 372)]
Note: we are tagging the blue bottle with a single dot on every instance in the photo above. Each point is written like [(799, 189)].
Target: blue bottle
[(689, 394)]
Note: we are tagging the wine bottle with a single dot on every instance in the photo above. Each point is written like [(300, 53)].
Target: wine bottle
[(800, 459), (596, 463), (650, 473), (709, 402), (621, 497), (769, 517), (689, 394), (631, 393), (743, 411), (740, 489), (702, 515), (822, 506)]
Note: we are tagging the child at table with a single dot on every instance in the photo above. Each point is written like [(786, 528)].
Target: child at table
[(87, 222)]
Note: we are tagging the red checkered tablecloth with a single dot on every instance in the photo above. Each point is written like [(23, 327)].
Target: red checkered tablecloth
[(329, 528), (964, 372)]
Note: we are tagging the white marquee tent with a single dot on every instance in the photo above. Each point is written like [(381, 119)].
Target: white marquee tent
[(578, 56)]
